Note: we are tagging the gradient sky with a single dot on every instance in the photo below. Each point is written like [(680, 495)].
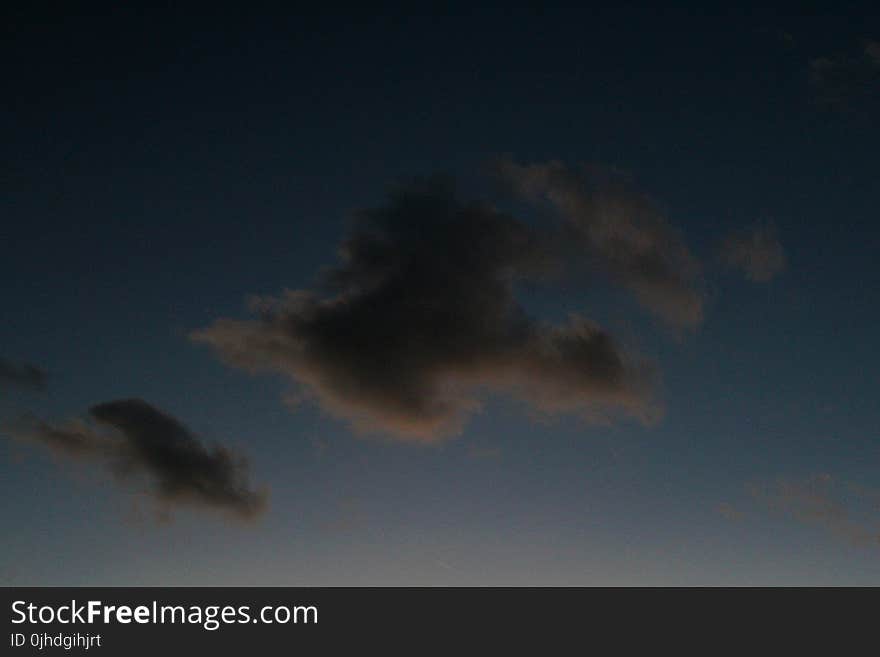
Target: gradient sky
[(160, 168)]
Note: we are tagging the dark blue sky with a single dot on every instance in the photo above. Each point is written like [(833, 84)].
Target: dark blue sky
[(160, 167)]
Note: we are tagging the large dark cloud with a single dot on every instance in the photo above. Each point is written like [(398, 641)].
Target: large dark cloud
[(756, 251), (23, 375), (135, 438), (419, 318), (621, 231)]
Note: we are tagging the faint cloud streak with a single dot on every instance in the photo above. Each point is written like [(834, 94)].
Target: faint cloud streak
[(842, 508), (847, 80), (756, 251), (22, 375)]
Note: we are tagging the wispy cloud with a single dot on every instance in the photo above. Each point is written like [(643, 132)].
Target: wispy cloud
[(872, 51), (134, 438), (619, 230), (22, 375), (844, 80), (847, 510), (729, 511), (756, 251)]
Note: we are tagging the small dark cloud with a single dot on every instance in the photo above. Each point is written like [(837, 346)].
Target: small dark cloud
[(419, 318), (621, 231), (847, 80), (842, 508), (22, 375), (134, 438), (756, 251)]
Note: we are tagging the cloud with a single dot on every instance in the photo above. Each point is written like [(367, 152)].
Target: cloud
[(844, 509), (729, 512), (842, 81), (419, 319), (22, 375), (621, 231), (756, 251), (484, 453), (872, 52), (134, 438)]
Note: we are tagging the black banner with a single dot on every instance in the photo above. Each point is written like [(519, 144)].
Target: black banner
[(235, 621)]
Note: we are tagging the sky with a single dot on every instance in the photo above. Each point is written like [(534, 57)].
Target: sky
[(540, 296)]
